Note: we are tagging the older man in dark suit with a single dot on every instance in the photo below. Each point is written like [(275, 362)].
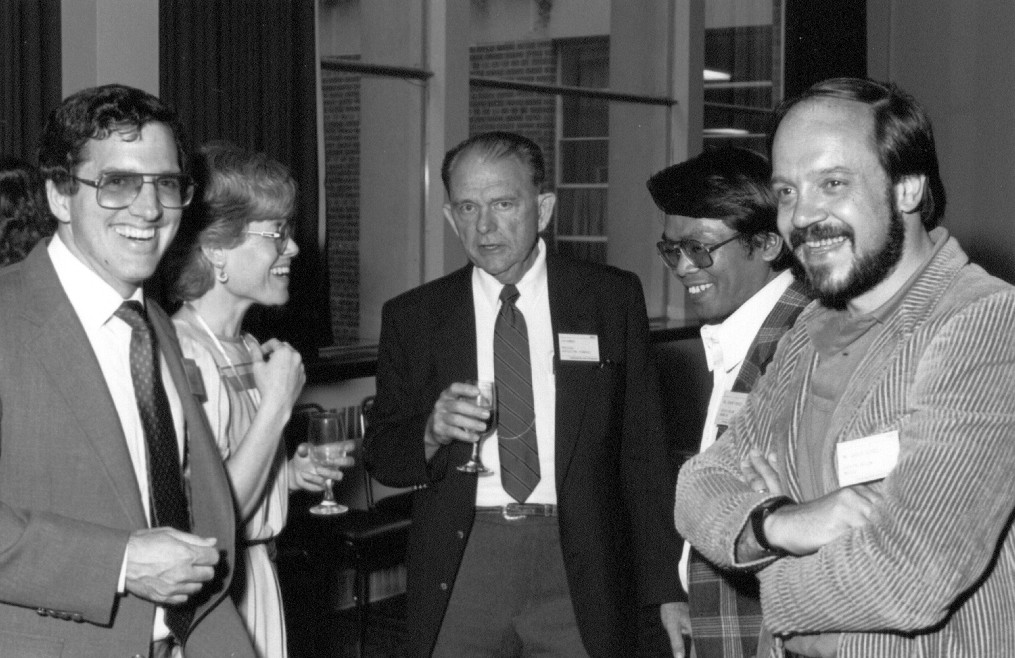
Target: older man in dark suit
[(554, 552), (116, 520)]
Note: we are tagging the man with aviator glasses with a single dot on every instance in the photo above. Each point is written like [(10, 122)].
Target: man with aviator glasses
[(721, 241), (117, 519)]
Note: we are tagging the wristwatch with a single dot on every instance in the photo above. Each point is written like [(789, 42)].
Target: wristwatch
[(758, 517)]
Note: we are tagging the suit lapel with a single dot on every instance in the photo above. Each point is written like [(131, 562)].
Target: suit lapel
[(914, 308), (854, 409), (797, 361), (570, 313), (455, 332), (213, 514), (63, 349), (776, 323), (206, 471)]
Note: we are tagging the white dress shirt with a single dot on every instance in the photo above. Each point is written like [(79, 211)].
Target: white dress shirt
[(726, 346), (534, 303), (95, 303)]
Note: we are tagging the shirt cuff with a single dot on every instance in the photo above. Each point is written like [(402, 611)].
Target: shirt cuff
[(121, 583)]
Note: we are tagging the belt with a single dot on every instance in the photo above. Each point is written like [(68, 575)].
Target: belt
[(513, 511)]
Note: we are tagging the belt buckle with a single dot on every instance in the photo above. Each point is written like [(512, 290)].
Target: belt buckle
[(508, 516)]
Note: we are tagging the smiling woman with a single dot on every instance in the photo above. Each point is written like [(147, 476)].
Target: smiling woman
[(234, 252)]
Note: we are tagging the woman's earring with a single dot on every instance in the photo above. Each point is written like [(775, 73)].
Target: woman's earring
[(221, 276)]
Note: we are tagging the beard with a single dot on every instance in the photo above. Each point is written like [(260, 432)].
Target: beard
[(869, 269)]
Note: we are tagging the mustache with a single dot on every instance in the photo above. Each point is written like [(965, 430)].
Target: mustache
[(799, 236)]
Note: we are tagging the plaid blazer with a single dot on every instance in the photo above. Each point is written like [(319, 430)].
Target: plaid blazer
[(725, 606), (933, 574)]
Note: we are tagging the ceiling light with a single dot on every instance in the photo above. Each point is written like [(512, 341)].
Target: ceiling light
[(725, 131)]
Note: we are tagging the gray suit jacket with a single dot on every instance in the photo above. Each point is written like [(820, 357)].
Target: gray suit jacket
[(68, 495), (934, 573)]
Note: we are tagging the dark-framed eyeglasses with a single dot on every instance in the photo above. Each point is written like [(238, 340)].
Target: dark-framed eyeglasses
[(699, 254), (115, 190), (281, 236)]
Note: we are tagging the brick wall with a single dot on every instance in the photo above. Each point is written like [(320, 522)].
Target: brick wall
[(532, 115), (340, 93), (526, 113)]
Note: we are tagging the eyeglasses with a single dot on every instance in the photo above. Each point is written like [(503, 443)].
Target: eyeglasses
[(116, 190), (699, 254), (281, 236)]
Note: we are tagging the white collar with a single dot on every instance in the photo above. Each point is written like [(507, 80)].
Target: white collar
[(727, 342), (530, 287), (93, 299)]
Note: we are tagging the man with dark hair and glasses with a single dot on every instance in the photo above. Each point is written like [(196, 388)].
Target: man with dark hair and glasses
[(117, 519), (721, 242), (116, 190)]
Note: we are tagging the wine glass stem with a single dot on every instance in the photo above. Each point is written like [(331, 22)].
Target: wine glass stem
[(329, 494)]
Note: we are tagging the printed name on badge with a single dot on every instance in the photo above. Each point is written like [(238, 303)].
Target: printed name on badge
[(731, 403), (867, 459), (579, 347), (194, 379)]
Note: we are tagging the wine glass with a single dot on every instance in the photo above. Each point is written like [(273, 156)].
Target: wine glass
[(487, 399), (325, 434)]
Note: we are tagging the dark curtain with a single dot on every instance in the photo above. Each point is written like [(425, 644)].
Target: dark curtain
[(29, 72), (245, 70)]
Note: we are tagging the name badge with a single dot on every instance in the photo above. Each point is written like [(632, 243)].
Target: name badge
[(731, 403), (579, 347), (867, 459), (195, 380)]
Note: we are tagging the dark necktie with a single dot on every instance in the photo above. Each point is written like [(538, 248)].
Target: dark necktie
[(516, 421), (165, 479)]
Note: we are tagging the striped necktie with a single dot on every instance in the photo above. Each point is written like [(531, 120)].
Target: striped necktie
[(516, 423)]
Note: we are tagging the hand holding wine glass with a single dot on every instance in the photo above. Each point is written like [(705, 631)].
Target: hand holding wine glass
[(486, 398), (326, 435)]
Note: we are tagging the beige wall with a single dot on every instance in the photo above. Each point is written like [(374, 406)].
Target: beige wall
[(958, 61), (105, 41), (646, 138)]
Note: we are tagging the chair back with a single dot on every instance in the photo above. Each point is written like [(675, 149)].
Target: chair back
[(364, 410), (364, 419)]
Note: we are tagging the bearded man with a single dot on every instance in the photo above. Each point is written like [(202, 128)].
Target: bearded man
[(867, 479)]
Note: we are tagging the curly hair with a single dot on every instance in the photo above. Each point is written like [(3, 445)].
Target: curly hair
[(96, 113), (24, 211)]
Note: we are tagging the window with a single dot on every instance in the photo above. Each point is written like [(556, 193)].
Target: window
[(601, 86), (741, 80), (579, 229)]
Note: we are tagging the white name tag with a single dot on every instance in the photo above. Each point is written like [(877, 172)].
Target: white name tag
[(867, 459), (579, 347), (731, 403)]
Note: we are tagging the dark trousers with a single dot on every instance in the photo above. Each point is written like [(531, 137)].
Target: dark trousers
[(511, 596), (653, 640)]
